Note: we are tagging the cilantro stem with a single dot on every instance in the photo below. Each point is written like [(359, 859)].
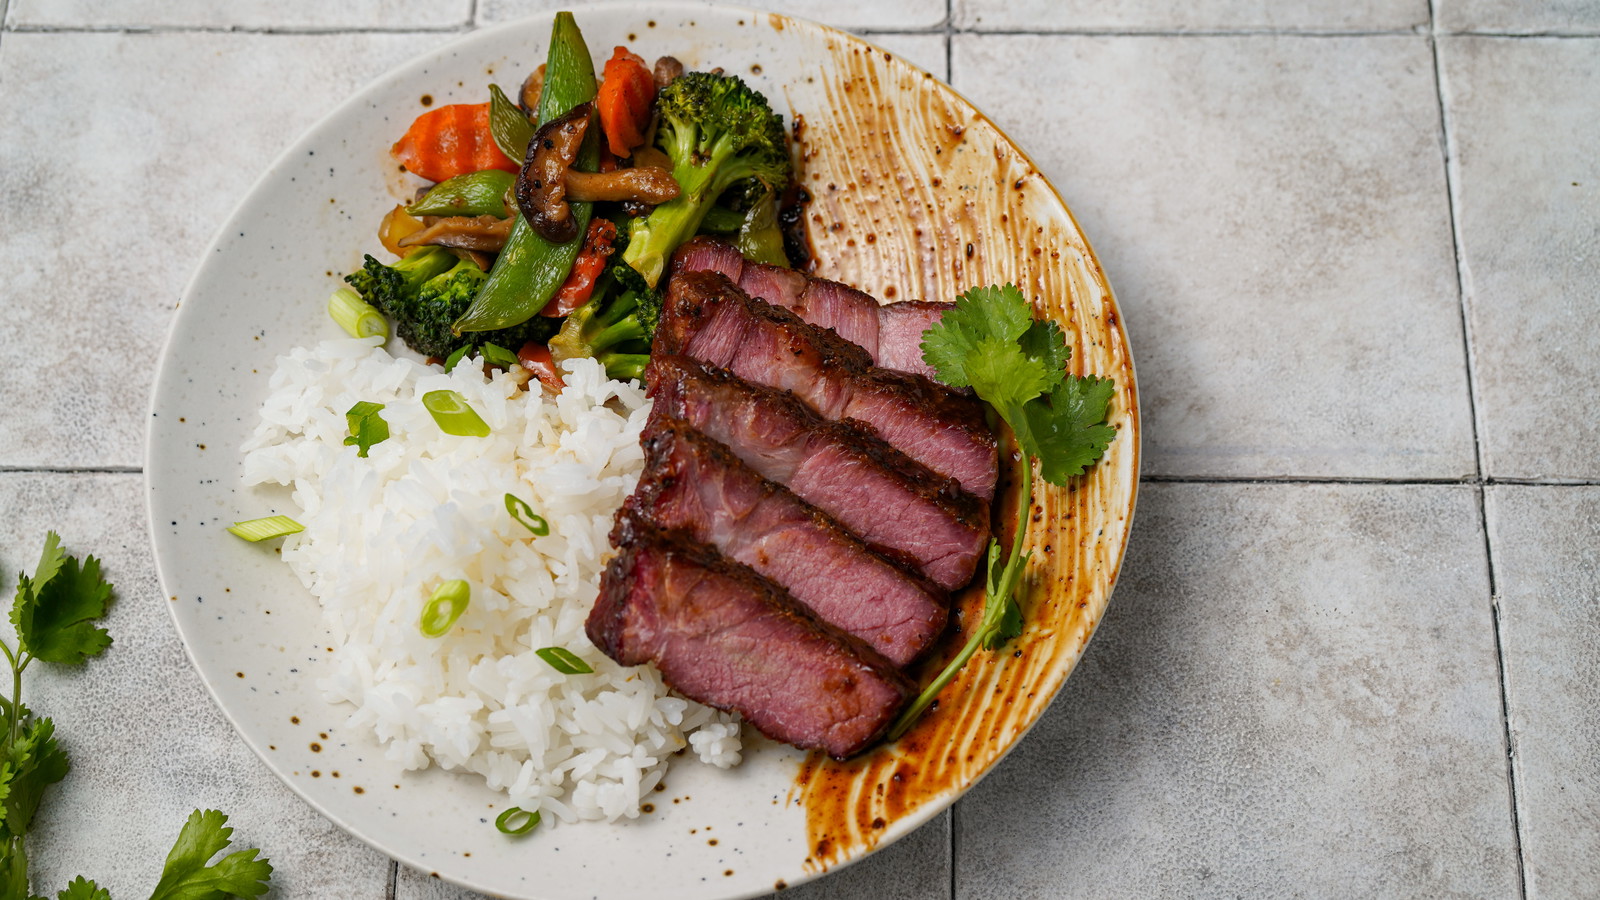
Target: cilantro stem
[(997, 598)]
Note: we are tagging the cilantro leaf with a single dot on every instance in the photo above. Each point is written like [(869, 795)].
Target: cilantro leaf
[(54, 618), (81, 888), (30, 764), (13, 871), (189, 874), (976, 344), (1069, 432), (50, 559)]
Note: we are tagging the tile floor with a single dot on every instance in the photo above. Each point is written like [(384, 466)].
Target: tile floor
[(1357, 245)]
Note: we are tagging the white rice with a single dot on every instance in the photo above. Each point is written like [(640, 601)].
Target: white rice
[(424, 507)]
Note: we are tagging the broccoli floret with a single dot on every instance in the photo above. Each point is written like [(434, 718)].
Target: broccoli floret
[(386, 286), (717, 131), (615, 326), (425, 293)]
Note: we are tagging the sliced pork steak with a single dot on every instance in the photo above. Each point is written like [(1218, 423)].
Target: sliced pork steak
[(892, 502), (725, 636), (696, 485), (890, 333), (707, 317)]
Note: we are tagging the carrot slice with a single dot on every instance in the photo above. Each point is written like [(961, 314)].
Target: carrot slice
[(624, 101), (536, 358), (598, 244), (449, 141)]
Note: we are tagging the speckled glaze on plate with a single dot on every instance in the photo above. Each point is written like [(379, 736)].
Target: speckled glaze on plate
[(916, 195)]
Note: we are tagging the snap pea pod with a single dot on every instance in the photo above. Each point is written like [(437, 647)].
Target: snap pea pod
[(530, 269), (473, 194), (508, 124)]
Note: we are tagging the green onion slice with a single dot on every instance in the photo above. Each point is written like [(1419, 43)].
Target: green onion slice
[(356, 316), (255, 530), (451, 360), (517, 820), (452, 414), (523, 513), (448, 602), (366, 426), (499, 355), (563, 660)]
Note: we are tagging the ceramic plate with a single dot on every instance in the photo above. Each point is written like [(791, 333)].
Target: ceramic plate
[(916, 195)]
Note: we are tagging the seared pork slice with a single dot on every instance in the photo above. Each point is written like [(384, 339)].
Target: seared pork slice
[(707, 317), (694, 484), (894, 504), (890, 333), (725, 636)]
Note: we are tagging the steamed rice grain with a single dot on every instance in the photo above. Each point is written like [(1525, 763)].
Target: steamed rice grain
[(425, 507)]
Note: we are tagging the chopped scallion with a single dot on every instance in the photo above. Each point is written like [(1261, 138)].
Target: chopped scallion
[(452, 414), (366, 426), (456, 357), (498, 355), (255, 530), (356, 316), (563, 660), (448, 602), (522, 512), (516, 821)]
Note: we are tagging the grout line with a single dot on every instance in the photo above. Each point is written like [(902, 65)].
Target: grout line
[(1496, 620), (1467, 481), (237, 29), (1451, 183), (394, 881), (71, 470), (472, 15), (946, 28), (955, 810), (1457, 247)]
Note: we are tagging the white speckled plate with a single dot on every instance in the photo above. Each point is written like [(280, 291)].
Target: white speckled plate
[(929, 198)]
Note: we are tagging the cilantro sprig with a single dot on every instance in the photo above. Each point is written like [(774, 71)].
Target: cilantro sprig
[(991, 343), (55, 615)]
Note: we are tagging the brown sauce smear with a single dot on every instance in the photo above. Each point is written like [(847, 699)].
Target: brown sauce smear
[(985, 218)]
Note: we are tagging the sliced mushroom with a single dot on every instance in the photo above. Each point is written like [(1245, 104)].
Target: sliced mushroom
[(542, 184), (667, 71), (639, 184), (485, 233), (648, 156)]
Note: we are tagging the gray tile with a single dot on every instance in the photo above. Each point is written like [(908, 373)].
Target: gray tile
[(884, 15), (1294, 693), (147, 743), (915, 868), (1547, 576), (1523, 131), (1273, 215), (1520, 16), (1185, 15), (241, 13), (109, 205)]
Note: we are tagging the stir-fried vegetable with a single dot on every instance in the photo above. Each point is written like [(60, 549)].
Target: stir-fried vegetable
[(449, 141), (624, 101), (615, 327), (426, 292), (474, 194), (530, 269), (717, 132)]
